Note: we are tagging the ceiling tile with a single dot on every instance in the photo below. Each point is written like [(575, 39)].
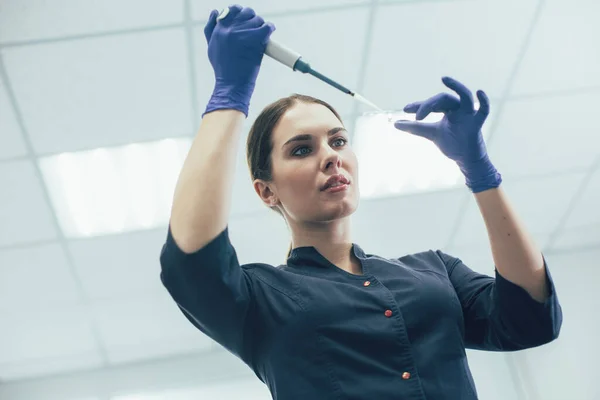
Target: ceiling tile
[(415, 44), (36, 278), (146, 327), (201, 8), (396, 226), (573, 238), (563, 52), (24, 215), (553, 192), (11, 141), (586, 210), (119, 266), (100, 92), (333, 46), (40, 19), (540, 136), (61, 333)]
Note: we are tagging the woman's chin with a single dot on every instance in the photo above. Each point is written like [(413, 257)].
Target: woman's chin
[(337, 210)]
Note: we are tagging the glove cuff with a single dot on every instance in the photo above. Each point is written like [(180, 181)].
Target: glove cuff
[(480, 175), (230, 97)]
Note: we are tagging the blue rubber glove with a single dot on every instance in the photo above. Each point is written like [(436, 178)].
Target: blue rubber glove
[(458, 134), (236, 45)]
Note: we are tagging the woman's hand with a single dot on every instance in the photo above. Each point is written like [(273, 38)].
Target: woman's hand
[(458, 134), (236, 45)]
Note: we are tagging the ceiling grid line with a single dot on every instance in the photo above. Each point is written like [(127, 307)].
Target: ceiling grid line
[(573, 249), (502, 100), (85, 36), (61, 239), (555, 93), (14, 159), (27, 245)]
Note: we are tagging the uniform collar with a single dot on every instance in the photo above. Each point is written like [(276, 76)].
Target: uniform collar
[(310, 256)]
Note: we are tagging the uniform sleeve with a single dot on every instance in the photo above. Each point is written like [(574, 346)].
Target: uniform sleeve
[(500, 315), (211, 289)]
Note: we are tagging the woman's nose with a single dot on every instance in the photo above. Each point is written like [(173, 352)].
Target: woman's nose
[(332, 160)]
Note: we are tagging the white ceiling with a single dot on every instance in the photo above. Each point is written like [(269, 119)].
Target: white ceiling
[(79, 75)]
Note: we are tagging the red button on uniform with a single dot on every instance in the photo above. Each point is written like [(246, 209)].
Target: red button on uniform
[(367, 283), (406, 375), (388, 313)]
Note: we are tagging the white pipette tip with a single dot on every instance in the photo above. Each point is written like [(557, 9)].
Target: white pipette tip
[(370, 104), (367, 102)]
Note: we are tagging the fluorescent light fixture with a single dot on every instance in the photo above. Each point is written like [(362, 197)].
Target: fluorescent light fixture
[(393, 162), (114, 190)]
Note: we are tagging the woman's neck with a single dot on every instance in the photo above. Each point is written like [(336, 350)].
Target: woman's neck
[(331, 239)]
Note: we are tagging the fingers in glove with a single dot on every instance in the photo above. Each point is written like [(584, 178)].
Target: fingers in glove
[(442, 102), (246, 14), (466, 97), (266, 30), (412, 107), (253, 23), (210, 25), (484, 107), (423, 129)]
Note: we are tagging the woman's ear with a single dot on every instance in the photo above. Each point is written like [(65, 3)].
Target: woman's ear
[(266, 194)]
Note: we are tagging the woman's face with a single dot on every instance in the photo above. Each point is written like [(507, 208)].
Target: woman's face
[(315, 171)]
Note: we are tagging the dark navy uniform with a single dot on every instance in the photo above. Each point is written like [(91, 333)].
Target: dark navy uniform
[(310, 330)]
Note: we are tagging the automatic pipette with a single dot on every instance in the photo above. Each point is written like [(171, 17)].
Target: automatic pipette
[(294, 60)]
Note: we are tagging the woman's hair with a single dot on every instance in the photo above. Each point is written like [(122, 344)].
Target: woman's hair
[(259, 144)]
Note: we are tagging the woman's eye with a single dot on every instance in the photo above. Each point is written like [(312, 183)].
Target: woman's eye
[(301, 151), (305, 150), (340, 142)]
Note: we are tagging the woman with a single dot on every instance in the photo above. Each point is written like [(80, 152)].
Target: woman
[(335, 322)]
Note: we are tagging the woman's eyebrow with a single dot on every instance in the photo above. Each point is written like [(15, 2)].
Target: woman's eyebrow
[(303, 137)]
